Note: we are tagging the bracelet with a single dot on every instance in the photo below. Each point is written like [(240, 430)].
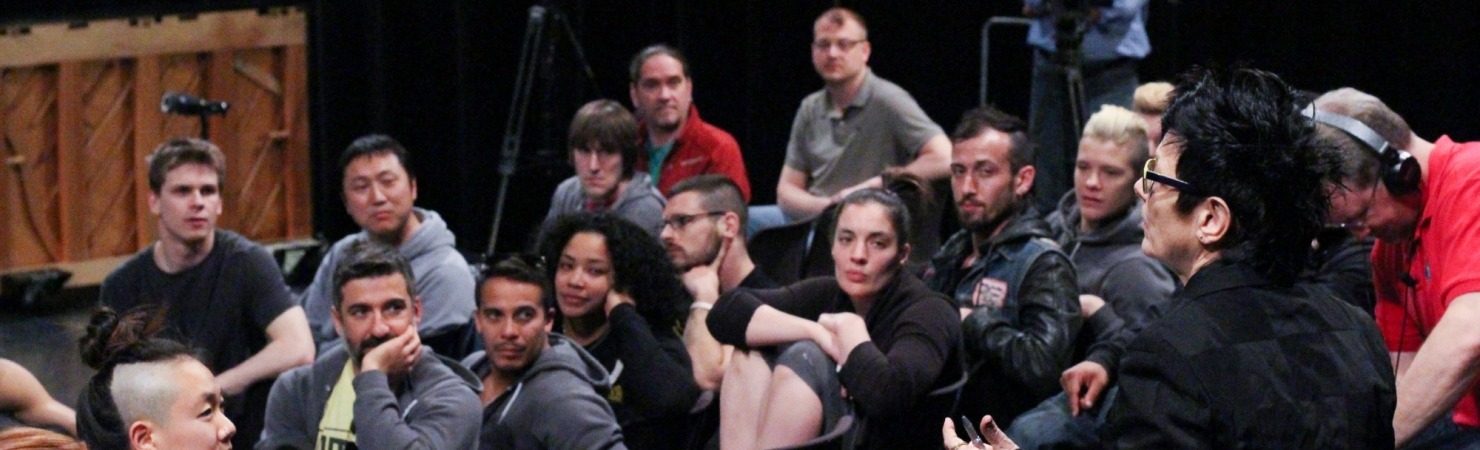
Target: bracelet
[(701, 305), (958, 446)]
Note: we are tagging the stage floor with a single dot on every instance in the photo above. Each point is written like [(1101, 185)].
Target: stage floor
[(46, 344)]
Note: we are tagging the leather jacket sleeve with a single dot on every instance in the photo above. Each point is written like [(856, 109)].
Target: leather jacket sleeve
[(1035, 346)]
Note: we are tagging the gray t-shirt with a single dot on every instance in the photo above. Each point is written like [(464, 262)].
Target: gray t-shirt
[(882, 127)]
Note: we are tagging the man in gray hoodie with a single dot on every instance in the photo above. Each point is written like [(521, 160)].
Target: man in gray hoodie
[(539, 389), (1099, 225), (379, 192), (382, 389)]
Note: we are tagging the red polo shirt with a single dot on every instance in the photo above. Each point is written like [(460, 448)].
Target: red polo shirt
[(1442, 259)]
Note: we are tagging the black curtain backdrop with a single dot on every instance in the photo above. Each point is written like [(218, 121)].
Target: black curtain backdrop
[(438, 75)]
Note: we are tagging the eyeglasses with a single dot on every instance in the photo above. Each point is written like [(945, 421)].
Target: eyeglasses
[(1148, 176), (1360, 222), (845, 45), (680, 221)]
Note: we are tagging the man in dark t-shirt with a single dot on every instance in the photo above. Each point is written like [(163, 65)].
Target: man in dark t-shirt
[(220, 292)]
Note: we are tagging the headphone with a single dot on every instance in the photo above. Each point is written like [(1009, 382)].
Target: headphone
[(1399, 171)]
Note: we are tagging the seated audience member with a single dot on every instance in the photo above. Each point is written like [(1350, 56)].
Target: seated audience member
[(24, 401), (678, 144), (382, 388), (1014, 287), (379, 182), (1236, 193), (221, 292), (1099, 224), (603, 149), (148, 392), (704, 232), (1150, 102), (873, 339), (847, 133), (1417, 198), (621, 299), (539, 388), (31, 438)]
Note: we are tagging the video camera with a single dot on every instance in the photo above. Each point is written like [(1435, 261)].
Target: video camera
[(1071, 19)]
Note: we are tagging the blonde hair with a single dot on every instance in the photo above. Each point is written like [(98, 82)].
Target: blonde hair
[(1153, 98), (1119, 125)]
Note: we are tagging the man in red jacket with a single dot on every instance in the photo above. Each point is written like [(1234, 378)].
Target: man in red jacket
[(677, 143)]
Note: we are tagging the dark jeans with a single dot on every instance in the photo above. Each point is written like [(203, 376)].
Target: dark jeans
[(1049, 425), (1051, 126), (1445, 434)]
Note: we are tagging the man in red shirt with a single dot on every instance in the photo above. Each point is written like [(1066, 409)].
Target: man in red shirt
[(678, 144), (1417, 198)]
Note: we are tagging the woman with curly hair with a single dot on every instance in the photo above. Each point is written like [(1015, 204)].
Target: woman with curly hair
[(148, 393), (620, 297)]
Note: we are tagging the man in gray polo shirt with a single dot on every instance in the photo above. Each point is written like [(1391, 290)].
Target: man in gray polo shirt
[(846, 134)]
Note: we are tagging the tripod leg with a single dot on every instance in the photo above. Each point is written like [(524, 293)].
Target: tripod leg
[(1074, 86)]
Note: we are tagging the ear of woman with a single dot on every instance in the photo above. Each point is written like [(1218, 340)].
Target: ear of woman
[(1214, 220)]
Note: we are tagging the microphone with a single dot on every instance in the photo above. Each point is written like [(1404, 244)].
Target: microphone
[(186, 104)]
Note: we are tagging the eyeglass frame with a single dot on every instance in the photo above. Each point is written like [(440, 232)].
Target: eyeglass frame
[(846, 45), (1148, 176), (681, 221)]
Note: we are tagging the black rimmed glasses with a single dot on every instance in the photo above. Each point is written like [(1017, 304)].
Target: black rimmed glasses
[(680, 221), (846, 45), (1148, 176)]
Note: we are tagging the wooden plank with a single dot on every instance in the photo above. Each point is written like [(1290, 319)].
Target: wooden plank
[(148, 133), (298, 203), (108, 212), (29, 133), (7, 258), (70, 87), (218, 84), (122, 38)]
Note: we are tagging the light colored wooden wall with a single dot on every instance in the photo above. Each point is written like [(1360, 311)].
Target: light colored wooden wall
[(79, 113)]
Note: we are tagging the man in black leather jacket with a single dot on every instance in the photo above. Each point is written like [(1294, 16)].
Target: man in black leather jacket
[(1014, 286)]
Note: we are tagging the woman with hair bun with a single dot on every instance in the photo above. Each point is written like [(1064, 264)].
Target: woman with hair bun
[(148, 393)]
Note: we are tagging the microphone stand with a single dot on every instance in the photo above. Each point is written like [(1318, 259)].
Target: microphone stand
[(205, 126)]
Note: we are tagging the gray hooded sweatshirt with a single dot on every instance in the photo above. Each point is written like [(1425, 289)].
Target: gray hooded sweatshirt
[(436, 407), (640, 203), (1109, 263), (443, 280), (556, 404)]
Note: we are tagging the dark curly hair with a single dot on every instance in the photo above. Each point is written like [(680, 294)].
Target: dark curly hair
[(640, 265), (1243, 140), (113, 340)]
